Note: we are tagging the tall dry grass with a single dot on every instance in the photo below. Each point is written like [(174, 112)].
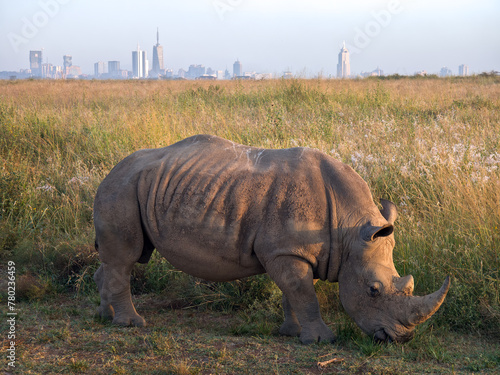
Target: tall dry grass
[(430, 145)]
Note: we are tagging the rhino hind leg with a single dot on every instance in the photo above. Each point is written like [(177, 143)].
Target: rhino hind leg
[(295, 279), (105, 310), (116, 300), (118, 252)]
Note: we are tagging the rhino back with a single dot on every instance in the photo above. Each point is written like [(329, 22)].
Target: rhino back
[(220, 211)]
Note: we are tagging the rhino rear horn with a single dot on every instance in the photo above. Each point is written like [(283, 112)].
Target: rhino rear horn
[(388, 211)]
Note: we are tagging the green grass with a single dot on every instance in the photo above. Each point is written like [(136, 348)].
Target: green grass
[(68, 339), (430, 145)]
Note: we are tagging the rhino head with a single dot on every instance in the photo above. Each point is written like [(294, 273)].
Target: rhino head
[(372, 292)]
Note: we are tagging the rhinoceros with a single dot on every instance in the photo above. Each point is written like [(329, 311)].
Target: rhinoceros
[(221, 211)]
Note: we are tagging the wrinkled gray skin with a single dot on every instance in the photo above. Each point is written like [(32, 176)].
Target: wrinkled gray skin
[(222, 211)]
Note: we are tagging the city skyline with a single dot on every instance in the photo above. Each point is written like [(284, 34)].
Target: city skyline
[(301, 37), (140, 69)]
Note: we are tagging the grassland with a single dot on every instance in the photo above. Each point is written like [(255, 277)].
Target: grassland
[(432, 146)]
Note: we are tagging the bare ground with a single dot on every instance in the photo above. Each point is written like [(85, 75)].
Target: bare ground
[(63, 336)]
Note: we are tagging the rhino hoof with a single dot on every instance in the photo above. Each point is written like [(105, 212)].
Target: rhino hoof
[(105, 313), (321, 334), (290, 329), (311, 340), (136, 321)]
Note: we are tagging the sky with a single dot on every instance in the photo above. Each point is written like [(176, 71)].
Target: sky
[(267, 36)]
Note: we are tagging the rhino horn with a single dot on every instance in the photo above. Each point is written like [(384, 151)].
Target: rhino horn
[(422, 308), (388, 211)]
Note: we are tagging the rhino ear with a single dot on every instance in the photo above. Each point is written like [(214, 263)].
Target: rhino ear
[(388, 211), (370, 232)]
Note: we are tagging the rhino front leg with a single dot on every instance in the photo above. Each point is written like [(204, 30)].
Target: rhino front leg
[(294, 277), (291, 325)]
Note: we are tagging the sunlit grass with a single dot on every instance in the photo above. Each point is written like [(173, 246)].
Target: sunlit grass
[(430, 145)]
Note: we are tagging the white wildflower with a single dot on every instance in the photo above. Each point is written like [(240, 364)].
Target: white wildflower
[(78, 180), (493, 159), (46, 187), (405, 170), (357, 157), (371, 159)]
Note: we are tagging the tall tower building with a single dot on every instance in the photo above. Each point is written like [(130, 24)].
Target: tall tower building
[(114, 69), (67, 63), (463, 70), (36, 63), (139, 64), (343, 66), (157, 56), (99, 69), (445, 72), (237, 69)]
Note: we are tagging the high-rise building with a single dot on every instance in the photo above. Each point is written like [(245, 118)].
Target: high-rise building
[(445, 72), (114, 69), (157, 57), (145, 66), (36, 63), (343, 66), (67, 61), (47, 70), (99, 69), (219, 74), (195, 71), (463, 70), (169, 73), (73, 71), (139, 64), (237, 69)]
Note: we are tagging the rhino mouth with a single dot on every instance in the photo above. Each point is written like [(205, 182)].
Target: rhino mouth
[(382, 335)]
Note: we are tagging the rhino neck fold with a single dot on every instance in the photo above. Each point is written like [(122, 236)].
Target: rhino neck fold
[(334, 263), (335, 248)]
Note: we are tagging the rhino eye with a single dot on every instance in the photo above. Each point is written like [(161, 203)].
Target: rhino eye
[(374, 291)]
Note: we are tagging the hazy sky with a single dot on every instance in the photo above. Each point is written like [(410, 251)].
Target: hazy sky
[(304, 36)]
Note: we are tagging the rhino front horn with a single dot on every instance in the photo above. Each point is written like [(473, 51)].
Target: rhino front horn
[(422, 308)]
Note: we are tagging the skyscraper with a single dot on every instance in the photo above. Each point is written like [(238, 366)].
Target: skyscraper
[(36, 63), (114, 69), (139, 64), (99, 69), (195, 71), (157, 56), (463, 70), (445, 72), (343, 66), (67, 63), (237, 69)]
